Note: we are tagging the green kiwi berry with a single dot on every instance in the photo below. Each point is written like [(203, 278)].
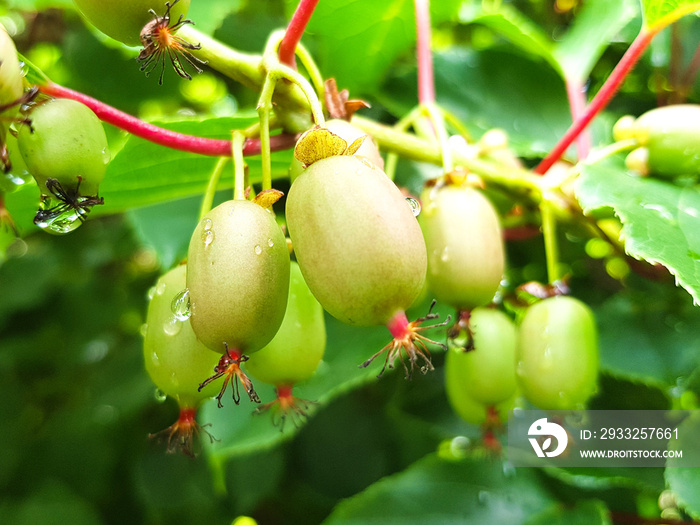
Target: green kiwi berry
[(356, 240), (237, 277)]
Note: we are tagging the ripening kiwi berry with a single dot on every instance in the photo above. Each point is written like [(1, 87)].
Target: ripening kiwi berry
[(360, 249), (238, 280), (175, 360), (465, 249), (294, 353), (10, 73), (65, 149), (558, 354), (669, 140)]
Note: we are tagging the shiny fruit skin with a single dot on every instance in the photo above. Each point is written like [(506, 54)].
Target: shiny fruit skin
[(123, 20), (174, 358), (238, 277), (356, 240), (296, 350), (10, 72), (464, 242), (67, 142), (558, 354), (488, 371), (460, 396), (671, 134)]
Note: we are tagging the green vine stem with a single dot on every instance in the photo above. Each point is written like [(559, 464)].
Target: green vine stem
[(519, 182), (238, 165), (438, 121), (208, 198), (549, 231)]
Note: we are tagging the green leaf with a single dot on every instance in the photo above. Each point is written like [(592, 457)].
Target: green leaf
[(648, 335), (356, 41), (660, 13), (589, 512), (509, 22), (661, 221), (590, 33), (494, 88), (441, 491), (685, 481), (348, 346)]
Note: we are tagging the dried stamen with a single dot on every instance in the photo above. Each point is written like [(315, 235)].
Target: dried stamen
[(229, 367), (407, 338), (183, 434), (159, 40), (286, 406)]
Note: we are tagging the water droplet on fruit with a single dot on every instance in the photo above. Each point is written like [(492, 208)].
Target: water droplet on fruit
[(661, 210), (258, 249), (207, 237), (367, 163), (144, 329), (160, 395), (547, 362), (520, 369), (174, 381), (207, 224), (445, 255), (61, 216), (151, 292), (414, 205), (160, 288), (270, 243), (172, 326), (181, 305), (155, 359)]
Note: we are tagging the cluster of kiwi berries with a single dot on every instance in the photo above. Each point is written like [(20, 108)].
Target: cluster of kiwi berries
[(359, 253)]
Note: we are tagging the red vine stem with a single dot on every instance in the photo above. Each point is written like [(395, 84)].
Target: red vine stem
[(426, 82), (577, 103), (164, 137), (601, 99), (295, 30)]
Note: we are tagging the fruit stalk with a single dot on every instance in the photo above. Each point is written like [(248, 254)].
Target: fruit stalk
[(601, 99), (161, 136)]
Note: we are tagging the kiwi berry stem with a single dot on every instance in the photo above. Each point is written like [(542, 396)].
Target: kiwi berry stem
[(208, 198), (549, 231), (239, 165)]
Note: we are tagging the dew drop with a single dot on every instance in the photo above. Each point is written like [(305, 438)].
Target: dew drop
[(661, 210), (160, 288), (174, 381), (547, 362), (207, 224), (367, 163), (180, 305), (160, 395), (172, 326), (155, 360), (521, 369), (61, 216), (270, 243), (207, 237), (445, 255), (414, 205), (258, 249), (143, 330), (484, 497), (151, 292)]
